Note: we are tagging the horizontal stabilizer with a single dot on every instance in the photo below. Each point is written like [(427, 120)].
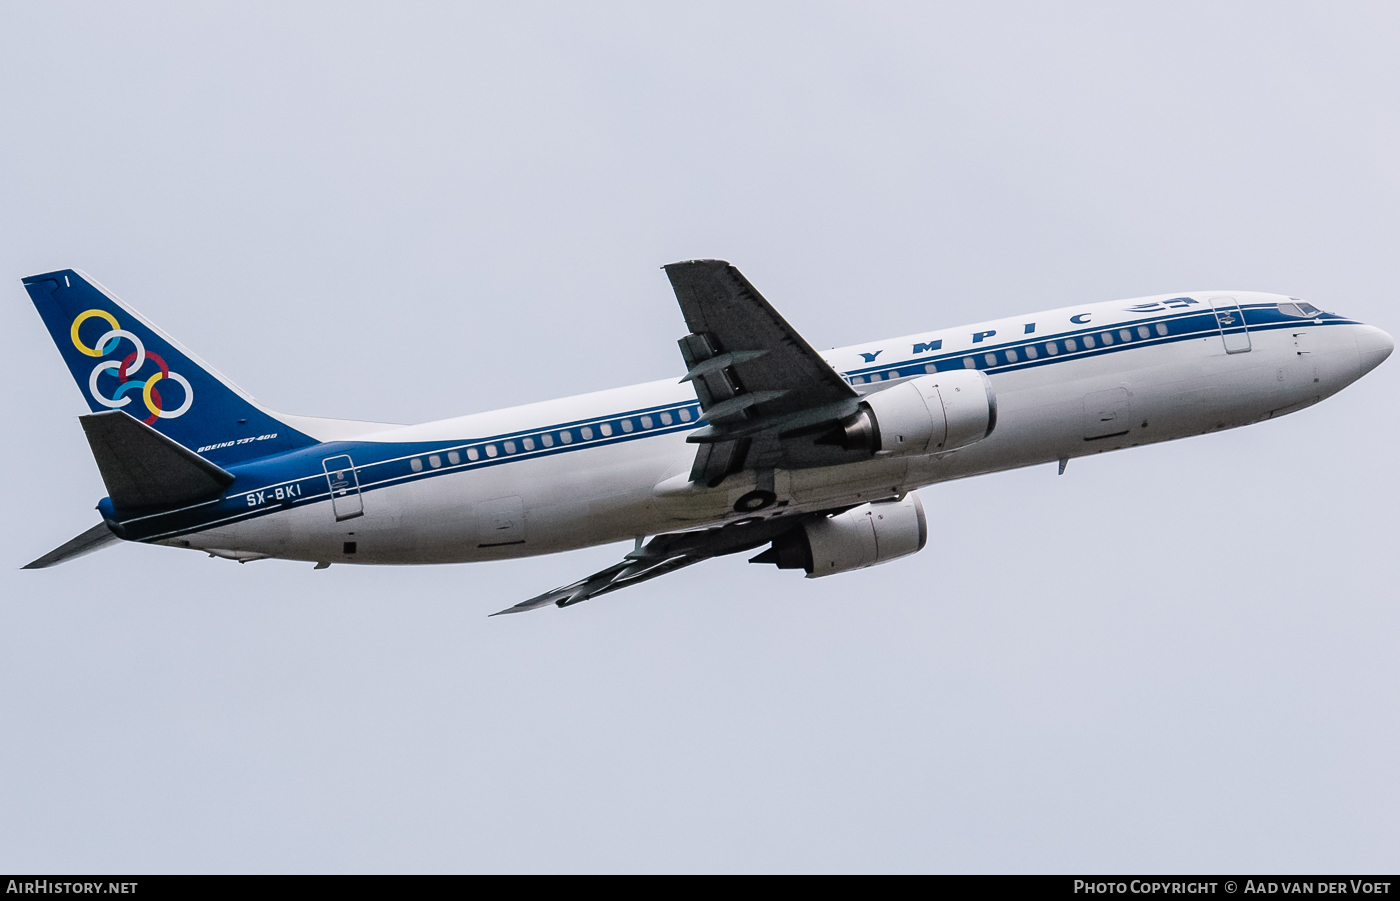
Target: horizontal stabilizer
[(94, 539), (143, 468)]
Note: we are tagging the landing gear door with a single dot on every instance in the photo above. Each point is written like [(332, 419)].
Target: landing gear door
[(1231, 321), (345, 487)]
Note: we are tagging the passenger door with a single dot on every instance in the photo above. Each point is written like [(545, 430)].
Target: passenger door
[(1231, 321), (345, 487)]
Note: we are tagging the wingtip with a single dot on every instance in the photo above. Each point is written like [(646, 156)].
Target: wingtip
[(526, 607)]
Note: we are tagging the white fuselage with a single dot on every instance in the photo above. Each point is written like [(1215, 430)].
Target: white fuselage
[(1144, 387)]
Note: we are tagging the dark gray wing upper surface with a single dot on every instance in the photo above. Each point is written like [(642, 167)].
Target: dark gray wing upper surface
[(728, 316), (754, 375)]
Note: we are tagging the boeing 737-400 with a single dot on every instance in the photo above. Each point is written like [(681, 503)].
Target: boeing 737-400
[(764, 443)]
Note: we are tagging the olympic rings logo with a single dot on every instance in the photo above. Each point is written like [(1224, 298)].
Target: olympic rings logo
[(127, 367)]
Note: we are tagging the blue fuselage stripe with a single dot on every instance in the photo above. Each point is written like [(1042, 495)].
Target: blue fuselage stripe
[(296, 478)]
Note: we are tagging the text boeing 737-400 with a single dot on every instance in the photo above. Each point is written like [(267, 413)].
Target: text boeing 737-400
[(764, 443)]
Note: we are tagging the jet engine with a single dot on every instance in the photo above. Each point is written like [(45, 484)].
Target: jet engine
[(926, 415), (862, 536)]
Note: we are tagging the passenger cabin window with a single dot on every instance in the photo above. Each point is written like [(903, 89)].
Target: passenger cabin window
[(990, 359), (647, 422), (529, 443), (627, 425), (434, 461), (1052, 348), (472, 454), (547, 440), (1107, 338), (685, 414), (969, 363), (566, 436), (665, 418), (1088, 341), (454, 458), (1011, 356), (510, 447), (1125, 335), (1032, 353), (1162, 328), (930, 367), (1070, 346), (415, 464), (586, 432), (1144, 332), (491, 450), (606, 429)]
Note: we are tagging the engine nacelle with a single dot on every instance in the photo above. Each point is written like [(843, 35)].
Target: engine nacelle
[(862, 536), (926, 415)]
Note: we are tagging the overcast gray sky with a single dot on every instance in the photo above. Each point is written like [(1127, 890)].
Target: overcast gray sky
[(1176, 658)]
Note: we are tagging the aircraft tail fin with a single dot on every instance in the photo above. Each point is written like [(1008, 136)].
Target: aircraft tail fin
[(143, 468), (94, 539), (123, 362)]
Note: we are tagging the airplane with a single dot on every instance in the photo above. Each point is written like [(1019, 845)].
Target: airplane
[(764, 443)]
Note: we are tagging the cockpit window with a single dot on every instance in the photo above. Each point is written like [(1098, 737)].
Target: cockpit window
[(1299, 308)]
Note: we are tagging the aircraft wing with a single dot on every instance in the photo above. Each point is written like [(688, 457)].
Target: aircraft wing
[(664, 554), (755, 377)]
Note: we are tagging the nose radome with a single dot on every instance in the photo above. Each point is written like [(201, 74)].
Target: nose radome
[(1374, 346)]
